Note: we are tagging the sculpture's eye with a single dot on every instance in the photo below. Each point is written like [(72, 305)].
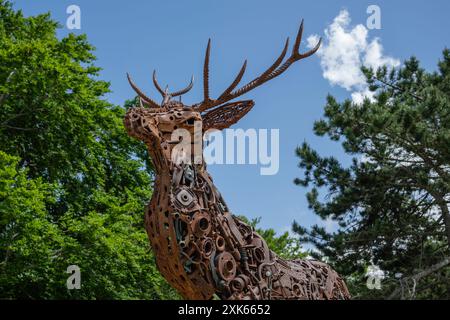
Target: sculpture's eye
[(190, 121)]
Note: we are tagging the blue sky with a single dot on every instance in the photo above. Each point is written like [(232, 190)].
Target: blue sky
[(138, 36)]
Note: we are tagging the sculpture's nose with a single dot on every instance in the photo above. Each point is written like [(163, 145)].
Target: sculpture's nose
[(126, 121), (129, 120), (137, 124)]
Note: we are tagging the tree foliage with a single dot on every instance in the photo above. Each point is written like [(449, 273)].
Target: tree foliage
[(392, 202), (72, 184)]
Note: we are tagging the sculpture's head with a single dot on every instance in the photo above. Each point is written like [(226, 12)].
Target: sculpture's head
[(155, 123)]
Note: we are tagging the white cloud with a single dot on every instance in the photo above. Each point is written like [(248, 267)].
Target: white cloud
[(345, 50), (358, 96)]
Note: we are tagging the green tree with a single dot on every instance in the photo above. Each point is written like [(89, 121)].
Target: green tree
[(29, 240), (73, 184), (392, 203)]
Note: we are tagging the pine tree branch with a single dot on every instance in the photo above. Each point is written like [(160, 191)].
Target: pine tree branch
[(3, 98), (393, 86), (421, 275), (20, 129)]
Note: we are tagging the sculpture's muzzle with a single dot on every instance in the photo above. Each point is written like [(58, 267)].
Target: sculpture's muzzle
[(140, 123)]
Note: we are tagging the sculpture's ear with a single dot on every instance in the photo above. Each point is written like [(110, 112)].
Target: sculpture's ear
[(225, 115)]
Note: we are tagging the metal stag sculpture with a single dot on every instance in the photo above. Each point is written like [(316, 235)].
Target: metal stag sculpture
[(200, 247)]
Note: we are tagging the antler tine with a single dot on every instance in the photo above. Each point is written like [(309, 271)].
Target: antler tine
[(146, 99), (145, 104), (313, 50), (206, 73), (183, 91), (296, 50), (211, 103), (155, 82), (273, 71), (262, 78), (234, 83), (298, 40), (295, 56)]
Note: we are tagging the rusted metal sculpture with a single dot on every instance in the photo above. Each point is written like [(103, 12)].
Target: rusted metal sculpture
[(200, 247)]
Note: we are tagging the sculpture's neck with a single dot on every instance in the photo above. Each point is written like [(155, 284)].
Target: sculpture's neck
[(179, 224), (164, 160)]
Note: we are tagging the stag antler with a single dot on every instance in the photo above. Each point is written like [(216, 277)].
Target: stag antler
[(168, 95), (273, 71), (143, 99), (149, 102)]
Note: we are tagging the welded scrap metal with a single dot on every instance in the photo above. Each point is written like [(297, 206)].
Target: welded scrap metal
[(200, 247)]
